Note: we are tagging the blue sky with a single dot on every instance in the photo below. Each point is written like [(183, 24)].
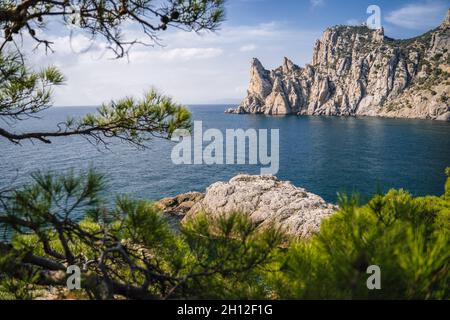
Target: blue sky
[(214, 67), (319, 14)]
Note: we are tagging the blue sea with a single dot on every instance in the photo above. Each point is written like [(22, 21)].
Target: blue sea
[(325, 155)]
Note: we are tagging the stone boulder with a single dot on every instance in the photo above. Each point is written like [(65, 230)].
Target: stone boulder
[(178, 206), (267, 201)]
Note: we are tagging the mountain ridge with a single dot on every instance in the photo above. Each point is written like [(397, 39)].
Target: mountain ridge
[(357, 71)]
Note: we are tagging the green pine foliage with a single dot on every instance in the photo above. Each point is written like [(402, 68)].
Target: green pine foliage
[(132, 243), (129, 249), (24, 91), (135, 121), (407, 237)]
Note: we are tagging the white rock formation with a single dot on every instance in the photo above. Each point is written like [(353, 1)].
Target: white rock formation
[(267, 201), (358, 71)]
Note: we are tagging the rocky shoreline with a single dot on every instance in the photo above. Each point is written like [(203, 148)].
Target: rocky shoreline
[(265, 199)]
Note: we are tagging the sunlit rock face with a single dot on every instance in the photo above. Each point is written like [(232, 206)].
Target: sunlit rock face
[(268, 202), (356, 71)]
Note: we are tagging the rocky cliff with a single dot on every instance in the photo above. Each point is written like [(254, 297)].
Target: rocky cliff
[(267, 201), (359, 71)]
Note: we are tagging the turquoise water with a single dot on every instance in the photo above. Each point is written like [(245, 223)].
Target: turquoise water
[(322, 154)]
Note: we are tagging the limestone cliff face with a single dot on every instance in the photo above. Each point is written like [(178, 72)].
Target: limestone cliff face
[(359, 71), (266, 200)]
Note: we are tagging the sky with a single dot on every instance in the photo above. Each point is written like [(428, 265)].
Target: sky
[(213, 68)]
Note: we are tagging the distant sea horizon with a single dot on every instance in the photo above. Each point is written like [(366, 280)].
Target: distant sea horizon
[(218, 104)]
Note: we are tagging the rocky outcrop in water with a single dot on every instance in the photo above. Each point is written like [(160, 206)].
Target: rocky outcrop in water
[(356, 71), (180, 205), (267, 200)]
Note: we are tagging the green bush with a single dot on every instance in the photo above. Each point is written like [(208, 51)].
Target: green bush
[(407, 237)]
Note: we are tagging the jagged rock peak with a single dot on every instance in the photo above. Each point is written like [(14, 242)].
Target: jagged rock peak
[(288, 66), (258, 70), (446, 22), (257, 64), (379, 35)]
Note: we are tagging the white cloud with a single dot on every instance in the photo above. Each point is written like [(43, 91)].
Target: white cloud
[(247, 48), (178, 54), (317, 3), (418, 16), (191, 68)]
